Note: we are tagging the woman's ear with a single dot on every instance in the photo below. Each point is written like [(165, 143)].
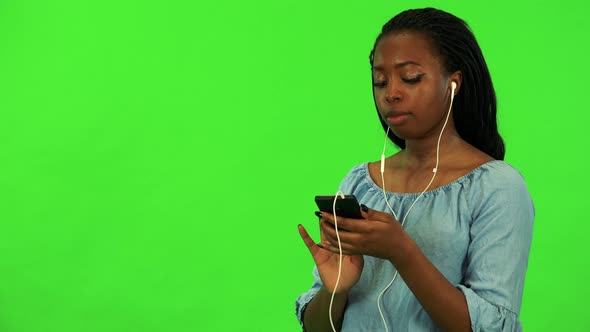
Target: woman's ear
[(456, 77)]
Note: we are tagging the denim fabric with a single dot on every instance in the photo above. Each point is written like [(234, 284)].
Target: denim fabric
[(476, 230)]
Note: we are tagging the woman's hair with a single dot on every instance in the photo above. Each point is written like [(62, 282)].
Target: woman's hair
[(474, 109)]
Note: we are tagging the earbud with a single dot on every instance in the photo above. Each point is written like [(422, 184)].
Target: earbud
[(453, 86)]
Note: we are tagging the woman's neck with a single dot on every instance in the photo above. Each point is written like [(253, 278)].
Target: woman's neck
[(422, 153)]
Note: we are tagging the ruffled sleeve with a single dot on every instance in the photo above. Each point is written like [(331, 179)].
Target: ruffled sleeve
[(497, 257)]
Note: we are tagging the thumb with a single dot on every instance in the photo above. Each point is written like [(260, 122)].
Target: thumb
[(371, 214), (309, 243)]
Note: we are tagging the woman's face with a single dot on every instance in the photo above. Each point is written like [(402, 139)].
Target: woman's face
[(411, 87)]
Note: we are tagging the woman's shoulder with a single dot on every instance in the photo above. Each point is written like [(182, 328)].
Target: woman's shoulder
[(498, 173), (483, 168), (355, 177), (498, 185)]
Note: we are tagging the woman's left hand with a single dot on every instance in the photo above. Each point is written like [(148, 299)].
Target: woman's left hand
[(379, 235)]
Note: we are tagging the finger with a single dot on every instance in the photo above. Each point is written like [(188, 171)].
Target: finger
[(309, 243), (345, 224), (375, 215), (329, 231), (322, 233), (330, 235), (327, 225), (334, 249)]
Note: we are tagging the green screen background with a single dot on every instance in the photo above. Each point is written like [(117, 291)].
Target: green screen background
[(156, 157)]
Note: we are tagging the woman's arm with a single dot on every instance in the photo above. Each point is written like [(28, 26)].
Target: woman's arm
[(315, 316), (445, 304)]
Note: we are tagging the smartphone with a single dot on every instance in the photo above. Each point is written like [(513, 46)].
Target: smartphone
[(347, 207)]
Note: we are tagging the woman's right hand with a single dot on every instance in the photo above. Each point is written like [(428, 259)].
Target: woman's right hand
[(327, 264)]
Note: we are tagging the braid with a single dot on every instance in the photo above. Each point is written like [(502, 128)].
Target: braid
[(474, 110)]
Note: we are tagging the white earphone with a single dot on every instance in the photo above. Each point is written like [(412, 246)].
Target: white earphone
[(434, 171), (341, 195)]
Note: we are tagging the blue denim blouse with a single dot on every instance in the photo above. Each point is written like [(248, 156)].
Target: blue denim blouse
[(476, 230)]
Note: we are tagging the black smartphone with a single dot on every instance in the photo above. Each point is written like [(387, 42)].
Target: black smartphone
[(347, 207)]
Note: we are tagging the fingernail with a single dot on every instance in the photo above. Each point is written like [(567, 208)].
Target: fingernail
[(318, 214), (364, 208)]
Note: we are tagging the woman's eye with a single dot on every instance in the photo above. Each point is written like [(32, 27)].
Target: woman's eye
[(409, 80), (413, 80)]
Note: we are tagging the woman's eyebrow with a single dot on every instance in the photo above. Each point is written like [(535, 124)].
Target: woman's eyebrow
[(397, 65)]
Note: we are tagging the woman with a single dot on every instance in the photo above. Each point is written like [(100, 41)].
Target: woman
[(462, 240)]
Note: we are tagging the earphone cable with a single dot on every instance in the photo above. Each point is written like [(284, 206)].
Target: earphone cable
[(434, 171), (339, 193)]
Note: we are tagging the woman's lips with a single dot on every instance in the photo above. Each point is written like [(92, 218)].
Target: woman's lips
[(398, 119)]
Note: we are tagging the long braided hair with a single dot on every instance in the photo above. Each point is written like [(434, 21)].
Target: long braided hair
[(474, 109)]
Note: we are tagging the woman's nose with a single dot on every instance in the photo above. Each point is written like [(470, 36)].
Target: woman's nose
[(392, 92)]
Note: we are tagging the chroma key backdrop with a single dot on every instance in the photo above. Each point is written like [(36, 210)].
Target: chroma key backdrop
[(157, 156)]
